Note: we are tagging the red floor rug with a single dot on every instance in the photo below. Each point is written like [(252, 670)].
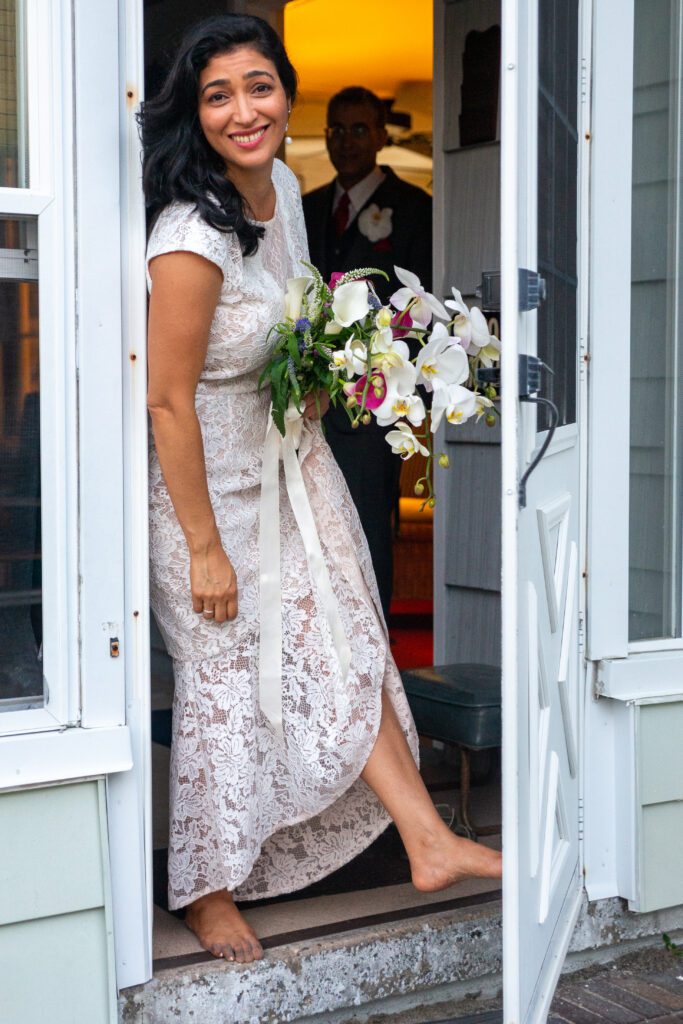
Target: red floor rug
[(411, 632)]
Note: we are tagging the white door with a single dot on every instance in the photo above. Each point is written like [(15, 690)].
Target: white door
[(541, 153)]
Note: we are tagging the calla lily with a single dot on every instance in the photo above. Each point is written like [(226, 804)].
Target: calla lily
[(442, 360), (425, 305), (400, 399), (294, 296), (350, 302), (457, 402), (404, 443)]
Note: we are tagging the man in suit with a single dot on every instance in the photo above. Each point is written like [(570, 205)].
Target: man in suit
[(367, 217)]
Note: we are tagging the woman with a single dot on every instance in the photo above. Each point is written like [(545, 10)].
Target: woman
[(256, 812)]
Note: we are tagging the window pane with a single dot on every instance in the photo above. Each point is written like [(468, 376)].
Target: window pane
[(557, 201), (13, 126), (21, 676), (655, 485)]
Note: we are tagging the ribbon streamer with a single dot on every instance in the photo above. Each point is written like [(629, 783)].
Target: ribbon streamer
[(277, 448)]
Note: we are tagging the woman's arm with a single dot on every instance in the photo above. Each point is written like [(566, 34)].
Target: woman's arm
[(185, 292)]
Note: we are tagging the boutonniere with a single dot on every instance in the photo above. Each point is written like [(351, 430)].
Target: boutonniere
[(374, 223)]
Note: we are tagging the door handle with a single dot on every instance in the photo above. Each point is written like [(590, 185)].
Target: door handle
[(530, 369)]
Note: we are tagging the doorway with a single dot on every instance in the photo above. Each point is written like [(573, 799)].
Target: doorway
[(376, 886)]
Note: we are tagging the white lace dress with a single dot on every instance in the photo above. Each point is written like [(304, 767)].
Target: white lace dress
[(251, 812)]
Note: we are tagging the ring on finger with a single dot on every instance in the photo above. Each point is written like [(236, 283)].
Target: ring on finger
[(208, 613)]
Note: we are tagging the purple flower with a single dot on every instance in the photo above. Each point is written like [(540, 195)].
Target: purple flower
[(374, 301), (303, 324)]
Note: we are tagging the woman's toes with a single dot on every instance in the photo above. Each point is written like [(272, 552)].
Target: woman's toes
[(228, 953)]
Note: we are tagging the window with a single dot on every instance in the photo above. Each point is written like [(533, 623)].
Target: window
[(13, 116), (656, 468), (21, 677)]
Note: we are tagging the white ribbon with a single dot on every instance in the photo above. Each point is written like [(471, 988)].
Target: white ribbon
[(270, 658)]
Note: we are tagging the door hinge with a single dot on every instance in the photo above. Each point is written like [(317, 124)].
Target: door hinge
[(581, 816), (582, 635), (531, 287)]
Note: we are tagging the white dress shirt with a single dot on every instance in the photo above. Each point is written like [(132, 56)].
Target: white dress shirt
[(359, 193)]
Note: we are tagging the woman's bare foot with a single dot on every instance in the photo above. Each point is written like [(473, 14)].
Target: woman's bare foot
[(221, 929), (438, 861)]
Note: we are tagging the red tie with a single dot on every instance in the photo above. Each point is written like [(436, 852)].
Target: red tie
[(341, 214)]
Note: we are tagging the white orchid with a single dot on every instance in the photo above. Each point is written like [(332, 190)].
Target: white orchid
[(294, 296), (332, 327), (383, 317), (350, 302), (483, 404), (425, 305), (442, 360), (457, 402), (400, 398), (387, 351), (490, 353), (355, 357), (395, 406), (471, 327), (404, 443)]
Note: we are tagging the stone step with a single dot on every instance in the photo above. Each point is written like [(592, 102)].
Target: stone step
[(444, 951)]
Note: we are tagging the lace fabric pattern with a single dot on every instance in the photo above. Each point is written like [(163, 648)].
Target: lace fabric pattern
[(252, 813)]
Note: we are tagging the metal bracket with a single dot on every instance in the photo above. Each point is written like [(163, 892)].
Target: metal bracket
[(532, 290)]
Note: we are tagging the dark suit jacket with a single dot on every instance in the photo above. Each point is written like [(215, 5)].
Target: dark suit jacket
[(409, 245), (366, 460)]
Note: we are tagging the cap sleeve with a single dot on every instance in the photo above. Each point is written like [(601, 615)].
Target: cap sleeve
[(288, 188), (181, 228)]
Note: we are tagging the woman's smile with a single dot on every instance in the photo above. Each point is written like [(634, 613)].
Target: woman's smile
[(249, 140)]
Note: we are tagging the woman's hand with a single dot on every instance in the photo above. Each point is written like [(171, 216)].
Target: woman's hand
[(311, 409), (214, 584)]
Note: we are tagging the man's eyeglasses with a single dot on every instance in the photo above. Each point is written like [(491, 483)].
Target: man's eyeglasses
[(337, 132)]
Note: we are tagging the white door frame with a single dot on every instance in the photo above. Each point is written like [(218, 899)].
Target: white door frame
[(129, 795)]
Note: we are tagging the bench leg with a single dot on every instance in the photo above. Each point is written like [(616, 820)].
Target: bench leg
[(465, 824)]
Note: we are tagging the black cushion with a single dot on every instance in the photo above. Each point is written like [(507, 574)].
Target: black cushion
[(456, 703)]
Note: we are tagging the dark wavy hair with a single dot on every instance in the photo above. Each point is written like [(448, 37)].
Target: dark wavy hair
[(178, 162)]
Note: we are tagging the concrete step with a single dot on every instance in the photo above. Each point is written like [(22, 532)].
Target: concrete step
[(453, 952)]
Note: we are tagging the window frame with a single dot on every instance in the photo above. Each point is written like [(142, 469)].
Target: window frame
[(47, 199), (626, 669), (73, 114)]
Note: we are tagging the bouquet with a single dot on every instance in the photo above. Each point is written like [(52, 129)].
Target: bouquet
[(339, 338)]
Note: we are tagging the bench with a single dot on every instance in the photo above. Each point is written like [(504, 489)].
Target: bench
[(458, 704)]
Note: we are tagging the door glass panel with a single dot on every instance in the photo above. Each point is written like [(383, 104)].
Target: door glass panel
[(21, 676), (655, 446), (557, 198), (13, 120)]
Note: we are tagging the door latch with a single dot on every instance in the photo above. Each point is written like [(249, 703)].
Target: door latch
[(114, 647)]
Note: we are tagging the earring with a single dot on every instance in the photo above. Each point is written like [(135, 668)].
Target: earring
[(288, 138)]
